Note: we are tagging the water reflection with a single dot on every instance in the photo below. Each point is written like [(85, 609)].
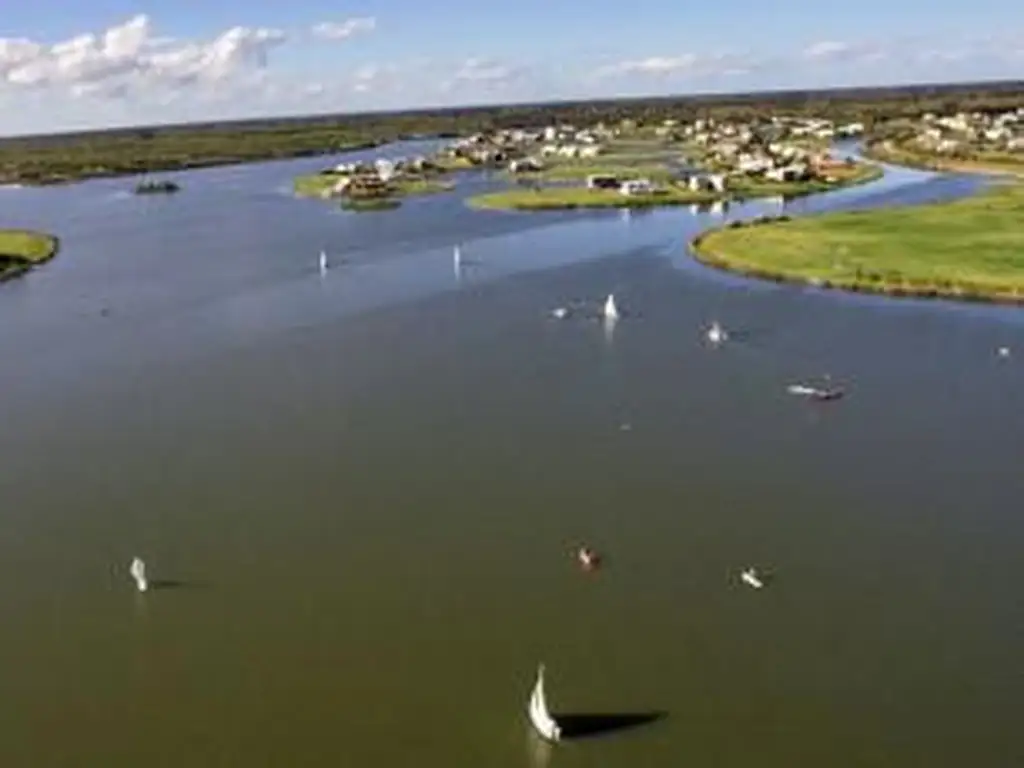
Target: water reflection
[(609, 322), (538, 751)]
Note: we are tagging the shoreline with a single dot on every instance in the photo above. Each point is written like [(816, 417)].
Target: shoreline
[(17, 179), (880, 282), (36, 248), (887, 152)]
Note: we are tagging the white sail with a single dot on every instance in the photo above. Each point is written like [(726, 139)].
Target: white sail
[(457, 256), (801, 389), (716, 333), (751, 578), (538, 711), (323, 261), (138, 572), (611, 312)]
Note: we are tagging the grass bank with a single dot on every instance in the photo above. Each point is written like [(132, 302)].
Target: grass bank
[(567, 198), (21, 250), (320, 184), (969, 249), (981, 162)]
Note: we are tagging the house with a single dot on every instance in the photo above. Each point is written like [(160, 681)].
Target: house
[(525, 165), (706, 182), (603, 181), (591, 150), (636, 187), (793, 172), (753, 164)]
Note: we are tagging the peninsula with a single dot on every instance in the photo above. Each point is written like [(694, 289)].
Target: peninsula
[(972, 142), (21, 250), (636, 165), (970, 249)]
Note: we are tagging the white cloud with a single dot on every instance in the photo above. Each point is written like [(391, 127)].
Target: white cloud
[(330, 30), (826, 49), (691, 65), (127, 58), (130, 74)]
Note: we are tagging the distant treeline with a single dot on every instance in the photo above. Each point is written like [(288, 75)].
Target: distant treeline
[(65, 157)]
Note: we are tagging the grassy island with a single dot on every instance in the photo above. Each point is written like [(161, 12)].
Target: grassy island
[(969, 249), (21, 250), (322, 184), (567, 198), (369, 204)]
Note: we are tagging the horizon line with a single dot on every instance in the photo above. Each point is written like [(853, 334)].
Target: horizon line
[(846, 91)]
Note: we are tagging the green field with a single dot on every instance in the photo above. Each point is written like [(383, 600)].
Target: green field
[(970, 249), (565, 198), (20, 250)]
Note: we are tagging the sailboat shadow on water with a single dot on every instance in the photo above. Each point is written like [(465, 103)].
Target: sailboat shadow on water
[(580, 725)]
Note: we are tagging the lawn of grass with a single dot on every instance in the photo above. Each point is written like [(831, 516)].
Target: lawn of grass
[(20, 250), (970, 249), (565, 198)]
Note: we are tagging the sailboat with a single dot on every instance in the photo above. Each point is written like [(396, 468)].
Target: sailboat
[(323, 262), (611, 312), (138, 572), (750, 578), (716, 333), (815, 393), (457, 257), (538, 711)]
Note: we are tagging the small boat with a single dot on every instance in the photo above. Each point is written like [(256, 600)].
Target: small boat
[(611, 312), (538, 711), (816, 393), (750, 578), (323, 262), (1003, 351), (560, 313), (716, 333), (588, 559), (457, 257), (138, 572)]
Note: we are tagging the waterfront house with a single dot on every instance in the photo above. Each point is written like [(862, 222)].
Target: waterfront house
[(636, 187), (602, 181)]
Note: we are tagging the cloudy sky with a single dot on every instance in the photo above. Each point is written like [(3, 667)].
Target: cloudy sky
[(68, 64)]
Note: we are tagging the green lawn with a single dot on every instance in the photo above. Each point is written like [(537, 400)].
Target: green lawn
[(20, 250), (969, 249), (562, 198)]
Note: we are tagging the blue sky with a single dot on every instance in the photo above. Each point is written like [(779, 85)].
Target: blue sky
[(67, 65)]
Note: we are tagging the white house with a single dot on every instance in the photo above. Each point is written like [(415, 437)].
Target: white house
[(636, 187)]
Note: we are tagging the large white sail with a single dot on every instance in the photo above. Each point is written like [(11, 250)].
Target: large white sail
[(611, 312), (138, 572), (538, 711)]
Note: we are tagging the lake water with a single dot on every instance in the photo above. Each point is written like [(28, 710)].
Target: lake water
[(365, 488)]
